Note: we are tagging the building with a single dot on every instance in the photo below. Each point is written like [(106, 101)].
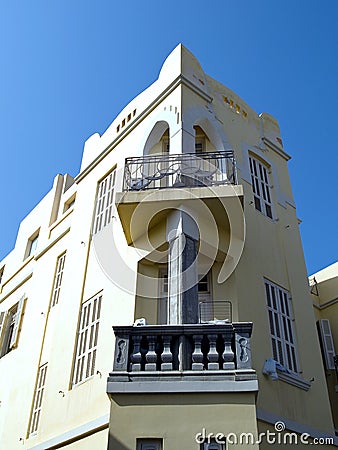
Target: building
[(324, 288), (180, 231)]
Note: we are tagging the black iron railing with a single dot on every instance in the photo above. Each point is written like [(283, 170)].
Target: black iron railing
[(181, 170)]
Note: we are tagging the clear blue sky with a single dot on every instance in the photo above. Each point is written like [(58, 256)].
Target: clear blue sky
[(69, 67)]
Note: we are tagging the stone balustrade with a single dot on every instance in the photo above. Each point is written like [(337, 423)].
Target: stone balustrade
[(163, 349)]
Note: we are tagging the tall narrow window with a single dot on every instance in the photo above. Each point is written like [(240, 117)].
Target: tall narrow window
[(32, 244), (104, 202), (260, 187), (10, 324), (60, 264), (326, 342), (37, 401), (2, 273), (281, 326), (87, 339)]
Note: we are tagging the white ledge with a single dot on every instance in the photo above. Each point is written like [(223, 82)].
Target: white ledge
[(160, 387)]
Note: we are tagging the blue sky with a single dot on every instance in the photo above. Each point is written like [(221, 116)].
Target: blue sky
[(68, 68)]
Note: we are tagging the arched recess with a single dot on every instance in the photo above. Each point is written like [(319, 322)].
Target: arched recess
[(205, 129), (158, 139)]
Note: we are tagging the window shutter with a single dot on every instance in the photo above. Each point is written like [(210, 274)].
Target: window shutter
[(327, 343), (3, 321), (17, 323)]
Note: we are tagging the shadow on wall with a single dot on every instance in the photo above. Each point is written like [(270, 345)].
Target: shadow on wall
[(115, 444)]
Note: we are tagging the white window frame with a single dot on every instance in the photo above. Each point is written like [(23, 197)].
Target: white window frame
[(280, 314), (60, 264), (104, 202), (32, 244), (261, 186), (327, 344), (10, 326), (87, 337), (37, 400)]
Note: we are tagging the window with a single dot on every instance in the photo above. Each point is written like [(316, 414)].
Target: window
[(199, 145), (87, 339), (204, 293), (260, 187), (213, 444), (10, 324), (60, 264), (281, 326), (149, 444), (37, 401), (326, 342), (69, 203), (104, 202), (32, 244)]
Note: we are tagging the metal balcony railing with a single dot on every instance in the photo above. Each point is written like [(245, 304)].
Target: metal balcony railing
[(214, 311), (181, 170)]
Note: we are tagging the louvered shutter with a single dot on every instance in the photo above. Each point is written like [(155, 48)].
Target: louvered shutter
[(17, 323), (327, 343), (3, 321)]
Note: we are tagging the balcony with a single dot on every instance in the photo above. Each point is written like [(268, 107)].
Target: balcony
[(181, 170), (152, 185), (182, 358)]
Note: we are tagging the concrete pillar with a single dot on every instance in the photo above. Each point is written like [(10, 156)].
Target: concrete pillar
[(182, 141), (182, 235)]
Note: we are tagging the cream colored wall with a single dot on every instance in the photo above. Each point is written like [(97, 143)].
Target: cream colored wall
[(179, 418), (97, 441)]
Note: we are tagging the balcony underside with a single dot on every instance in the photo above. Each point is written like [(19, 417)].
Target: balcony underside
[(140, 211)]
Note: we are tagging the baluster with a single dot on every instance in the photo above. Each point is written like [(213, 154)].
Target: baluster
[(166, 356), (213, 354), (136, 356), (228, 355), (197, 356), (151, 356)]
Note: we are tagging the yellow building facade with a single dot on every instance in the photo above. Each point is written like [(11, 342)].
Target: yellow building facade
[(172, 263)]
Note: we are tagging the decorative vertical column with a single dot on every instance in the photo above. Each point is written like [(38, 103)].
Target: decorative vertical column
[(197, 356), (151, 356), (136, 357), (166, 357), (213, 354), (182, 235), (228, 355)]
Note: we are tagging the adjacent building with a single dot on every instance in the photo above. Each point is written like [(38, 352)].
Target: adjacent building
[(172, 263), (324, 290)]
